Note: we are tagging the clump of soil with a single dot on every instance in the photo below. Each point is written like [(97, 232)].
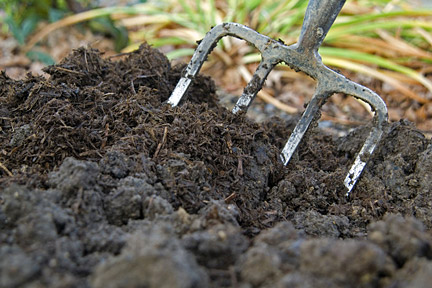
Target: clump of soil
[(104, 185)]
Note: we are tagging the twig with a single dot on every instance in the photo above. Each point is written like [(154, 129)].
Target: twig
[(159, 147), (230, 197), (240, 166), (69, 71), (6, 169)]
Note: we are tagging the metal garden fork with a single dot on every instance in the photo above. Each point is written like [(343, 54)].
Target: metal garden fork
[(302, 56)]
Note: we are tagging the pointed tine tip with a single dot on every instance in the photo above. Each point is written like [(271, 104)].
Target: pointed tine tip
[(349, 184), (362, 158), (283, 159), (287, 152), (236, 109), (355, 172)]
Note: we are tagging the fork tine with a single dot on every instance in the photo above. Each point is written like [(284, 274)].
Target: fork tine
[(254, 86), (380, 118), (302, 56), (206, 46), (296, 136), (362, 159), (332, 83)]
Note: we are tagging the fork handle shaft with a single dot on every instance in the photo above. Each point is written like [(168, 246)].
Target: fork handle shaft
[(319, 17)]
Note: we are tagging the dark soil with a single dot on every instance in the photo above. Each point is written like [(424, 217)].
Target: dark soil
[(104, 185)]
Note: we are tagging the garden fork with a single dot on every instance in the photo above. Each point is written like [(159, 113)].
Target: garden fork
[(302, 56)]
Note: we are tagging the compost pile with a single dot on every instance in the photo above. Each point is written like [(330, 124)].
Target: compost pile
[(104, 185)]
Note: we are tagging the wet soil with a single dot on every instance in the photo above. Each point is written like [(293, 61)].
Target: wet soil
[(104, 185)]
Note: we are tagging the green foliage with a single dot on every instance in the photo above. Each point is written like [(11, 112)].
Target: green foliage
[(21, 10), (363, 23), (180, 23), (106, 26), (22, 17), (40, 56), (21, 30)]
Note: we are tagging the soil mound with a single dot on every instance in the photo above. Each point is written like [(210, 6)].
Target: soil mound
[(104, 185)]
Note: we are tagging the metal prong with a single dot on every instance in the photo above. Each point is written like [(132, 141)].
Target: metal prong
[(361, 161), (205, 47), (179, 91), (346, 86), (254, 86), (302, 56), (380, 118), (300, 129)]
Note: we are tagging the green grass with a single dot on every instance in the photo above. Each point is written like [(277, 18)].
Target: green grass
[(283, 20), (364, 35)]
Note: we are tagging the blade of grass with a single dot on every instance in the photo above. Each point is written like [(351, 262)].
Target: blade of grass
[(372, 59), (81, 17), (363, 69), (179, 53), (159, 42), (213, 13), (203, 19), (192, 15), (293, 12), (145, 20), (427, 36), (188, 35), (380, 47), (340, 31), (401, 45), (356, 19), (288, 23)]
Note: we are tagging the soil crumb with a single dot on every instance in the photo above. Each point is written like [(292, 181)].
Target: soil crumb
[(105, 185)]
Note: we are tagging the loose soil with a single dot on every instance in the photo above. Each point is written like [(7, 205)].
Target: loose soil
[(104, 185)]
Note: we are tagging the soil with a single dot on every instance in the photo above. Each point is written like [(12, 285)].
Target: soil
[(104, 185)]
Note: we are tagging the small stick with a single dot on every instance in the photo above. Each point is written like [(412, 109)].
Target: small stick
[(230, 197), (161, 143), (240, 166), (69, 71), (6, 169)]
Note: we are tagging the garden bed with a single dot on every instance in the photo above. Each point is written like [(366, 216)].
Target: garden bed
[(105, 185)]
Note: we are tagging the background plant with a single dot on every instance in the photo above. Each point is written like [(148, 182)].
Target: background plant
[(23, 17)]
